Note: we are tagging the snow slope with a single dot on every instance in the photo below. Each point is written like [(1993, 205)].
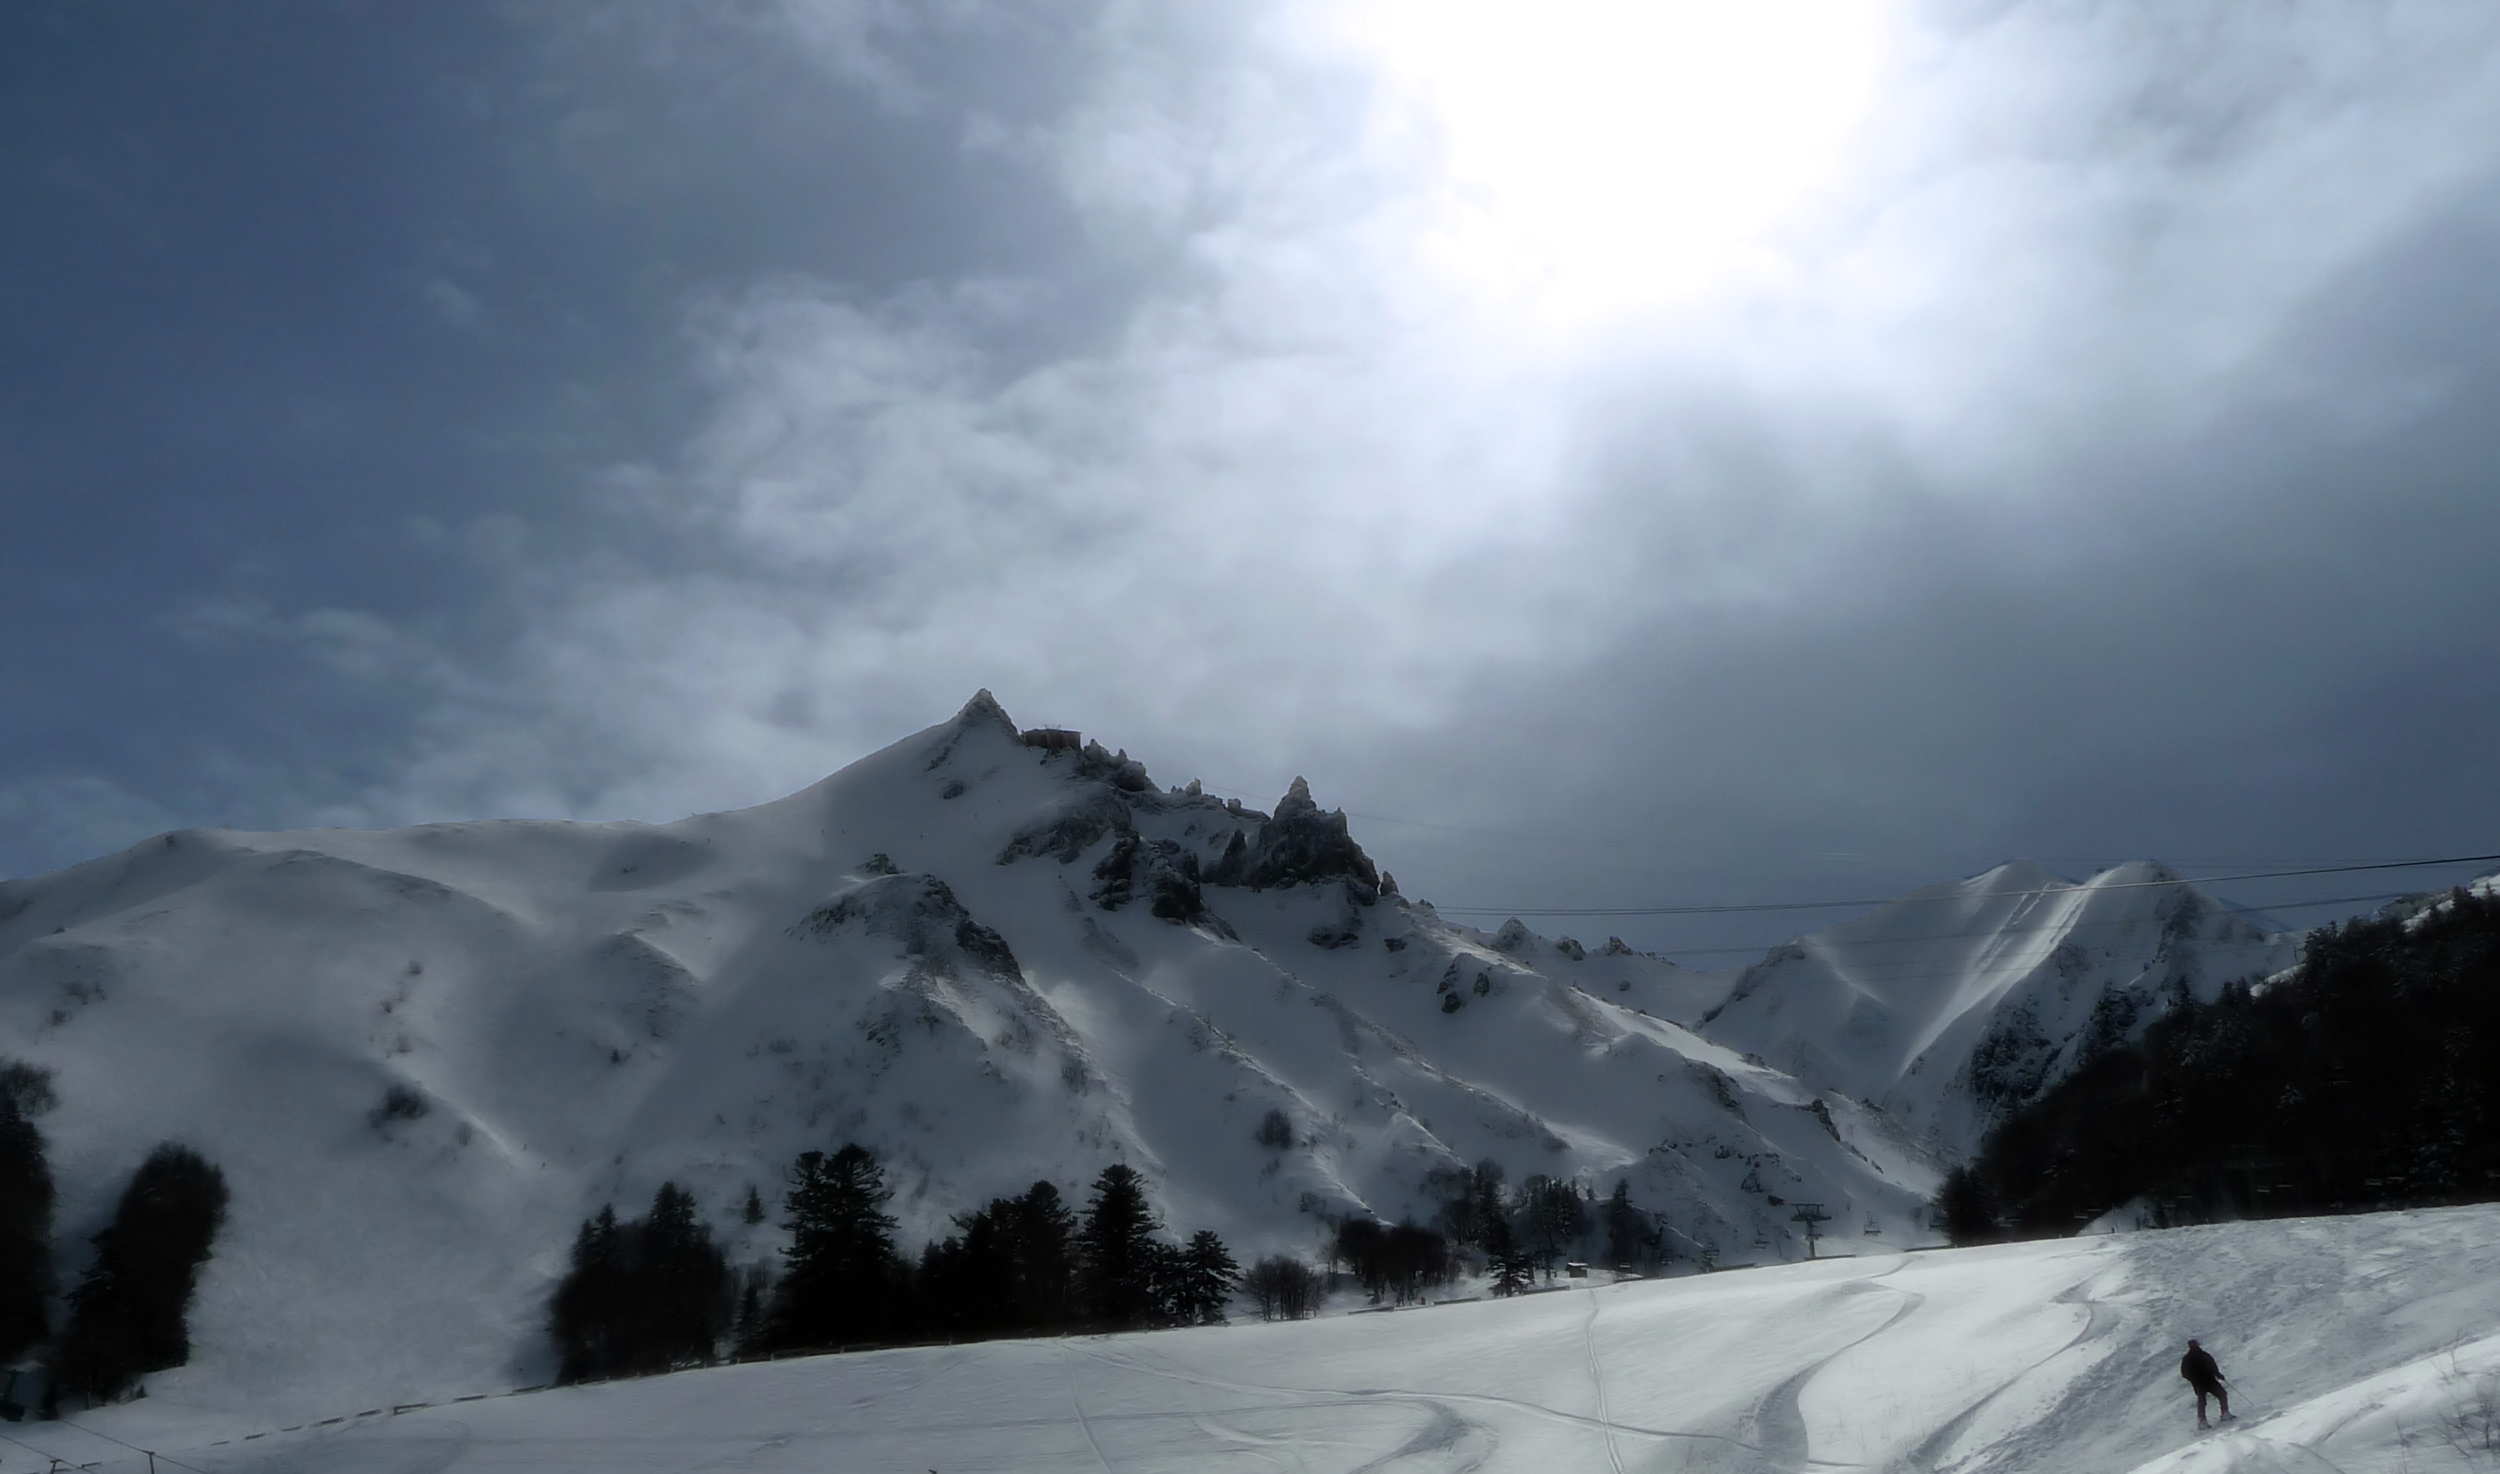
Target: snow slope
[(423, 1055), (2351, 1343), (1961, 1000)]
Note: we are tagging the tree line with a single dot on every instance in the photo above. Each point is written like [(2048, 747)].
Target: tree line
[(649, 1294), (1527, 1232), (129, 1312), (2367, 1078), (653, 1293)]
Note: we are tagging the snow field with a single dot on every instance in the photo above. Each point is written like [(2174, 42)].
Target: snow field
[(2347, 1341)]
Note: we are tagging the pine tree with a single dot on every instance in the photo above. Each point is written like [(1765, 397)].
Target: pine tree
[(1207, 1277), (1007, 1269), (1969, 1218), (1554, 1220), (845, 1276), (1513, 1270), (641, 1296), (967, 1284), (129, 1313), (1626, 1235), (1043, 1229), (584, 1319), (26, 1197), (682, 1282), (1118, 1252), (1487, 1205), (746, 1327)]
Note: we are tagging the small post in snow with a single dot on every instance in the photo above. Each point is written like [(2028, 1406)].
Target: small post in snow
[(1809, 1214)]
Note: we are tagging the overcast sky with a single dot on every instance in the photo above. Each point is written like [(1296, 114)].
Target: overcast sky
[(1626, 452)]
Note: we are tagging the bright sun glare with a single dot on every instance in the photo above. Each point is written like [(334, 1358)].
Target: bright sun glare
[(1584, 160)]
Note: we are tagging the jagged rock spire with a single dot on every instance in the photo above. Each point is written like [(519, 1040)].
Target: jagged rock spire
[(1300, 844)]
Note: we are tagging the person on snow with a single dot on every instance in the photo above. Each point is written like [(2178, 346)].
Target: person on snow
[(2201, 1373)]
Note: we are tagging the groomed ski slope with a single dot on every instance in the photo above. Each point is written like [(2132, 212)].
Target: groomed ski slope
[(2347, 1339)]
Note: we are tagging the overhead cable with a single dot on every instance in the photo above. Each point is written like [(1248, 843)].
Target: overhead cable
[(2060, 889)]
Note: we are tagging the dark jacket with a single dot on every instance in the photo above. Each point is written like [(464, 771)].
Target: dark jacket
[(2198, 1367)]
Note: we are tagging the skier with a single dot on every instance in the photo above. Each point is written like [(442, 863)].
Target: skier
[(2201, 1373)]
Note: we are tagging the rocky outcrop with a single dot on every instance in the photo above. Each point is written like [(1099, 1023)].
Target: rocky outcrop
[(1159, 871), (921, 913), (1302, 843), (1072, 829)]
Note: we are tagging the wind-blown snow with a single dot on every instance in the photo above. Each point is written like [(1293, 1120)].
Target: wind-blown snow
[(2350, 1344)]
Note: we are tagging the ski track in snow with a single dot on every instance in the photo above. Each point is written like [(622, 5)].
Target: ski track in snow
[(1779, 1419), (1597, 1384), (2345, 1339), (1076, 1401)]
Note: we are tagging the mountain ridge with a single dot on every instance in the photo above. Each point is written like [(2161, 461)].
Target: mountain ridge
[(990, 960)]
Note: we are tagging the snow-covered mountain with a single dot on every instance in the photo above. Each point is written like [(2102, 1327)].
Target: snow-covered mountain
[(1960, 1001), (421, 1056)]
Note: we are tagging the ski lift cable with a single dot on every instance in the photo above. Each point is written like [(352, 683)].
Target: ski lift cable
[(1952, 936), (1988, 933), (162, 1458), (1582, 841), (2062, 888)]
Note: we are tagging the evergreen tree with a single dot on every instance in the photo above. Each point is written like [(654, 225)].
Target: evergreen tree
[(129, 1313), (2369, 1077), (26, 1197), (1969, 1218), (753, 1212), (641, 1296), (1553, 1220), (585, 1319), (845, 1278), (1207, 1277), (1513, 1269), (682, 1281), (1166, 1278), (1627, 1236), (967, 1281), (1118, 1253), (1042, 1229), (1490, 1207), (1005, 1271), (746, 1325)]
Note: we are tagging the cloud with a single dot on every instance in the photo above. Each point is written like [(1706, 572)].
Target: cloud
[(1304, 482), (1987, 464)]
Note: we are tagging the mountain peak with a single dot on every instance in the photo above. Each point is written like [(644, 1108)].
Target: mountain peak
[(982, 713), (983, 710)]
